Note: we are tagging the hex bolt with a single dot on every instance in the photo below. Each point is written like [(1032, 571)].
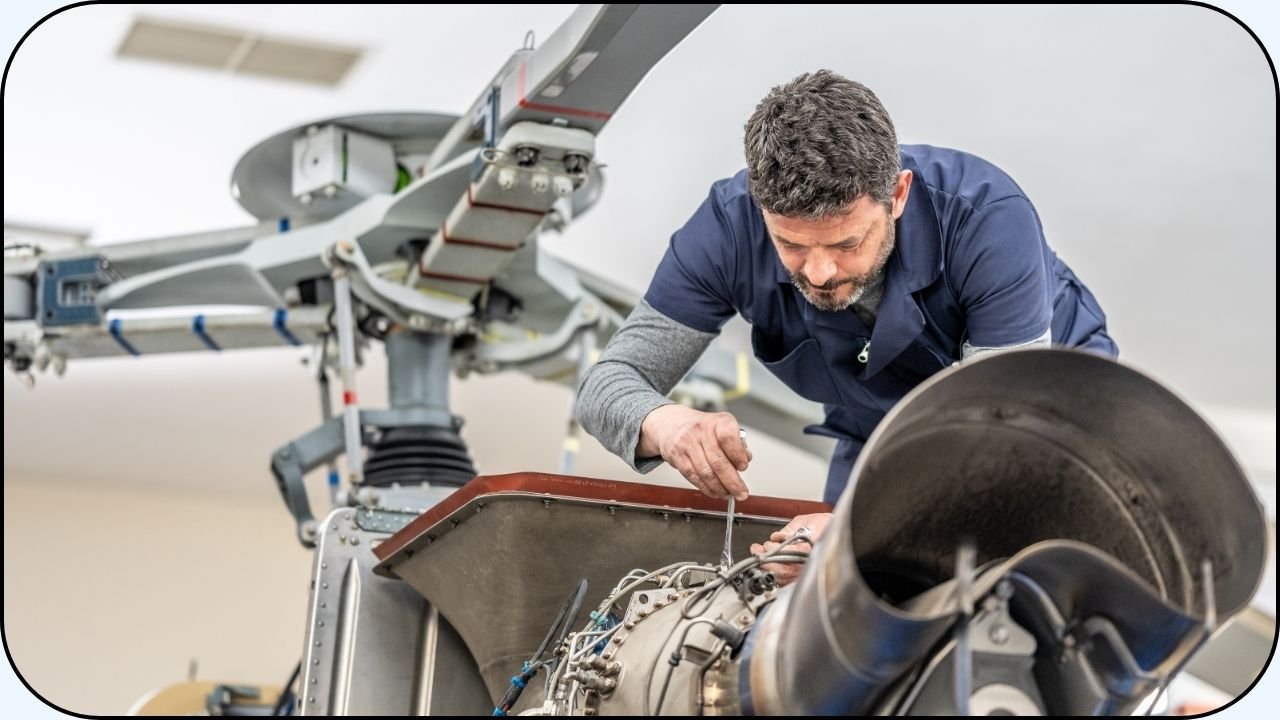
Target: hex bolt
[(1004, 590)]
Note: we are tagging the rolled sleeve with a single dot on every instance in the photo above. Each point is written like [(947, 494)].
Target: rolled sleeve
[(1000, 270), (694, 281)]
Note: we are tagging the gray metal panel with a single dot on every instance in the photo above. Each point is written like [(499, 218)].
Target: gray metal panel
[(373, 646), (213, 281)]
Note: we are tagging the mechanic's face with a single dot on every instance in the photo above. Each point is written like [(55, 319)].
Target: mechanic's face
[(833, 260)]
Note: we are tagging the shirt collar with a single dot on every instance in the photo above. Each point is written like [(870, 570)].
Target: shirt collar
[(919, 242)]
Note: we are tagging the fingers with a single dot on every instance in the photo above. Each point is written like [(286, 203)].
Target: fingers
[(729, 438), (813, 524), (771, 545), (715, 475), (791, 529), (810, 526), (817, 524), (776, 540), (725, 475), (784, 573), (706, 474), (687, 467), (706, 448), (729, 455), (721, 448)]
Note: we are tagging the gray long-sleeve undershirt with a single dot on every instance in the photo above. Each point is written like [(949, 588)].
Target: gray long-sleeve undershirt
[(643, 361)]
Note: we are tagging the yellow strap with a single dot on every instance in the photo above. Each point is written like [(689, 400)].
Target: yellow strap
[(743, 384)]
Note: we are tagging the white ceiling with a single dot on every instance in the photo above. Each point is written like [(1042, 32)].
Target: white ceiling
[(1146, 136)]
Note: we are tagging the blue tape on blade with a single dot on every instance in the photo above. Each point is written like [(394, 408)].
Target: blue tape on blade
[(197, 327), (282, 316), (117, 332)]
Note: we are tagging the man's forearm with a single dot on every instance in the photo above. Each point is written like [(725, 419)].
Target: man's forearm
[(648, 355)]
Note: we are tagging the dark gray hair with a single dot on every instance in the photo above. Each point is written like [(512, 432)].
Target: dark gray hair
[(816, 144)]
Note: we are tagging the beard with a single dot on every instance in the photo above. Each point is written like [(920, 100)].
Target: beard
[(826, 297)]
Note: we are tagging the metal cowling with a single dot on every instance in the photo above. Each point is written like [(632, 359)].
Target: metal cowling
[(1078, 475)]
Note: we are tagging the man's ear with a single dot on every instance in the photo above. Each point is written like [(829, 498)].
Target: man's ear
[(900, 193)]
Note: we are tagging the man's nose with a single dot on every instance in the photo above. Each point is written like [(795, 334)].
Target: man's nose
[(819, 270)]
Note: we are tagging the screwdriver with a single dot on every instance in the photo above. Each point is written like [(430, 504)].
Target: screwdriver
[(726, 558)]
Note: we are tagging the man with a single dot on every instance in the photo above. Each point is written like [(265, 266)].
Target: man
[(863, 268)]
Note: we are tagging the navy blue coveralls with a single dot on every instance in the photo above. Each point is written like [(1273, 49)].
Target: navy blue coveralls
[(970, 264)]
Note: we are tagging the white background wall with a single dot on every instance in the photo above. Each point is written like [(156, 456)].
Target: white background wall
[(110, 592), (1146, 136)]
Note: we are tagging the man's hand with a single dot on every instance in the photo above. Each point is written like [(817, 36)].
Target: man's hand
[(787, 573), (706, 448)]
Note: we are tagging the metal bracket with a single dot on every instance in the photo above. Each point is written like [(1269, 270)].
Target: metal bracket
[(385, 521), (290, 463), (486, 358), (402, 304), (67, 290)]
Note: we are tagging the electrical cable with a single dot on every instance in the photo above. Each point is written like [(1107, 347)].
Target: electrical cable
[(286, 692), (673, 661), (559, 629)]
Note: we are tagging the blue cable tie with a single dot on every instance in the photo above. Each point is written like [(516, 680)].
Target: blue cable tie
[(518, 682), (279, 324), (197, 327), (497, 712), (333, 479), (117, 332)]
